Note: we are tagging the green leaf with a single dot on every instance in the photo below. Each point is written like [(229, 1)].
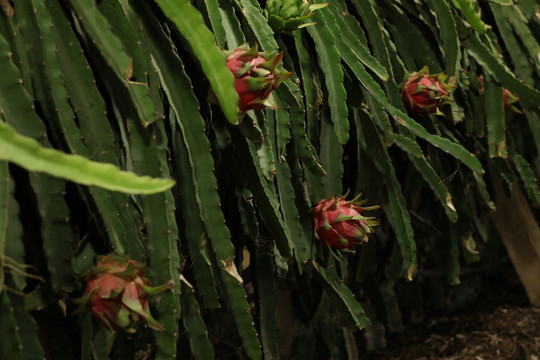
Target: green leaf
[(449, 36), (297, 116), (193, 226), (184, 104), (342, 296), (506, 24), (428, 173), (329, 60), (5, 198), (217, 21), (263, 192), (473, 18), (239, 307), (10, 341), (503, 2), (201, 347), (331, 154), (264, 153), (349, 29), (495, 119), (150, 155), (491, 63), (528, 177), (300, 238), (190, 23), (266, 288), (231, 24), (90, 133), (258, 23), (452, 252), (526, 36), (27, 153), (483, 191), (395, 204), (533, 119), (112, 49), (456, 150), (382, 46)]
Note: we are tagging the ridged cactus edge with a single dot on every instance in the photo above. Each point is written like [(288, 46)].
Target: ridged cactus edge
[(174, 174)]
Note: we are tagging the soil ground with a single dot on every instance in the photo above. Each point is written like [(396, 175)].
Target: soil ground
[(501, 325)]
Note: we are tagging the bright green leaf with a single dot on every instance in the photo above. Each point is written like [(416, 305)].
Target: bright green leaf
[(27, 153)]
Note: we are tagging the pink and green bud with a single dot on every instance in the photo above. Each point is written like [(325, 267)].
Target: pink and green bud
[(256, 76), (509, 100), (423, 92), (285, 16), (340, 224), (117, 295)]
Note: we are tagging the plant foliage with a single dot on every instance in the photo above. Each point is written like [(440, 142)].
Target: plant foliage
[(125, 83)]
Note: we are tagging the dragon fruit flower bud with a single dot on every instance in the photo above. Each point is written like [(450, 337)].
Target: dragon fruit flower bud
[(256, 76), (423, 92), (340, 224), (285, 16), (509, 100), (117, 295)]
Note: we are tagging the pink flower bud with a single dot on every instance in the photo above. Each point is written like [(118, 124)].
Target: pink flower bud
[(339, 223), (256, 76), (423, 93), (116, 293)]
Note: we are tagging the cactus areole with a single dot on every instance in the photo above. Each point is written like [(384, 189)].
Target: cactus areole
[(285, 16), (116, 294), (256, 76), (423, 92), (340, 224)]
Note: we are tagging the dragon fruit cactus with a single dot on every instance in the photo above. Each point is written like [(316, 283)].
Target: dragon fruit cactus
[(116, 294), (509, 99), (256, 76), (285, 16), (423, 92), (339, 223)]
